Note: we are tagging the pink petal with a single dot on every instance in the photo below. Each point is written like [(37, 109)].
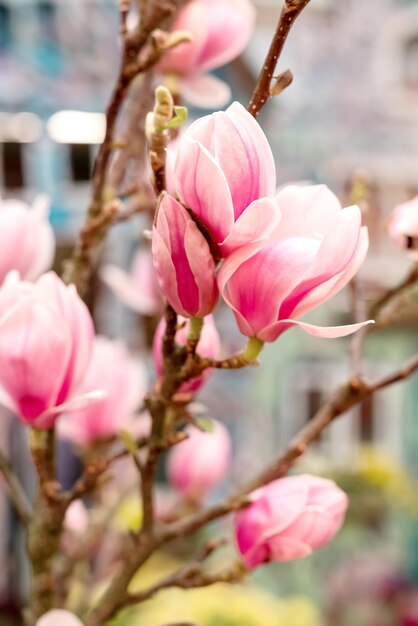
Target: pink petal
[(58, 617), (272, 332), (336, 251), (288, 549), (259, 286), (166, 272), (202, 267), (328, 289), (267, 173), (203, 188), (129, 292), (231, 24), (32, 369), (306, 210), (77, 403), (45, 239), (205, 91), (257, 223), (183, 59)]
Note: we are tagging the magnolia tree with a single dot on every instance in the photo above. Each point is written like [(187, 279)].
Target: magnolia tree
[(220, 230)]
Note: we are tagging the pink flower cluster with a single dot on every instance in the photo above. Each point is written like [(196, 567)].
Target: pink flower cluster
[(219, 30), (289, 518), (402, 227), (272, 256)]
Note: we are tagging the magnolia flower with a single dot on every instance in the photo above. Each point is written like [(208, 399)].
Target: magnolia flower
[(402, 227), (317, 249), (182, 260), (27, 239), (289, 518), (220, 30), (58, 617), (76, 518), (112, 369), (200, 463), (46, 336), (225, 174), (209, 346), (139, 289)]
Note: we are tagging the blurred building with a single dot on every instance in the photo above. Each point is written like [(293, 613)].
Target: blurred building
[(57, 61)]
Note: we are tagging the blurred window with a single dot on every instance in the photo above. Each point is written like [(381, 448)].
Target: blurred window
[(12, 165), (5, 27), (80, 162), (411, 62)]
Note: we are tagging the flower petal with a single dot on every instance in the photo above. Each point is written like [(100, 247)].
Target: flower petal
[(205, 91), (272, 332), (257, 223), (203, 188)]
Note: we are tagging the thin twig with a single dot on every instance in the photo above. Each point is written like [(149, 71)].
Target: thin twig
[(262, 91), (17, 493), (345, 398), (393, 294)]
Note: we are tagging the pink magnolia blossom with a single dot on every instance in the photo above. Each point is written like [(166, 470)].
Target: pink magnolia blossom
[(27, 241), (59, 617), (402, 227), (225, 174), (208, 346), (220, 30), (183, 262), (139, 289), (289, 518), (77, 518), (46, 336), (200, 463), (318, 247), (111, 368)]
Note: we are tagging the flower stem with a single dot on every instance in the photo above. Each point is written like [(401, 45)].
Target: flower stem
[(253, 349)]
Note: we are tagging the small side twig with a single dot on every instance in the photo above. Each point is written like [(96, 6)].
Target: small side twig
[(263, 90), (17, 493)]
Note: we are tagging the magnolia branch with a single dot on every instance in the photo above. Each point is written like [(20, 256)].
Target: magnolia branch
[(393, 294), (264, 89), (17, 493), (347, 396), (133, 63)]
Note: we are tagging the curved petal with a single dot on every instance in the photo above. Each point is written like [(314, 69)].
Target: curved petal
[(166, 272), (183, 59), (334, 255), (230, 26), (79, 322), (205, 91), (47, 418), (260, 285), (306, 209), (267, 174), (258, 222), (58, 617), (45, 238), (32, 369), (272, 332), (202, 267), (327, 290), (203, 188), (126, 289)]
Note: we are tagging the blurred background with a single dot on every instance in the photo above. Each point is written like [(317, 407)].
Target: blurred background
[(350, 120)]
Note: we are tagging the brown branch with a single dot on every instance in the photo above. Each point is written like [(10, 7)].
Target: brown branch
[(78, 269), (393, 294), (344, 398), (191, 576), (290, 11), (17, 493)]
